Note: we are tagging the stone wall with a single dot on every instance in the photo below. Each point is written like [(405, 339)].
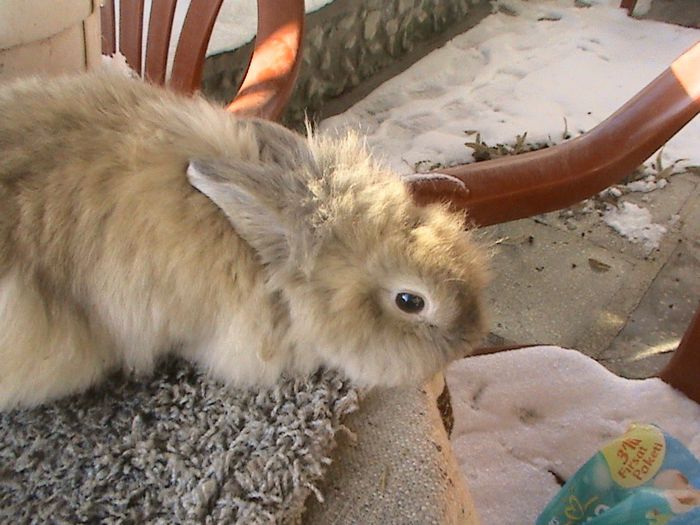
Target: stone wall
[(349, 42)]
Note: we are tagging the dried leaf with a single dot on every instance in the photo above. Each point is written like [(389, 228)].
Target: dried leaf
[(483, 151), (520, 142), (598, 266), (426, 166), (665, 173), (658, 165), (384, 478)]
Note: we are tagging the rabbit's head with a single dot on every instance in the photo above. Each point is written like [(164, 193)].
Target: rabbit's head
[(373, 285)]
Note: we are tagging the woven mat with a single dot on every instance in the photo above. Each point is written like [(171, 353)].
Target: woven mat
[(176, 447)]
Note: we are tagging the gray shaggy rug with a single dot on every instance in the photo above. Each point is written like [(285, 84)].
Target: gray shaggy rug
[(173, 448)]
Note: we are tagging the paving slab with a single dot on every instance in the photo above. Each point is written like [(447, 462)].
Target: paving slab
[(571, 280), (555, 287), (655, 327)]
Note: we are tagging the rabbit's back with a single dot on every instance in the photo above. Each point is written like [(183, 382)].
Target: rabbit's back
[(93, 181), (97, 217)]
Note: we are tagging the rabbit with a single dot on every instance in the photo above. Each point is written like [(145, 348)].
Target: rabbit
[(136, 222)]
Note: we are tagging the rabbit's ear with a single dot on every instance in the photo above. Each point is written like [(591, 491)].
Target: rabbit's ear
[(264, 203)]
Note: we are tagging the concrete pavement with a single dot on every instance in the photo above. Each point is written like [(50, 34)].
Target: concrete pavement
[(575, 282), (571, 280)]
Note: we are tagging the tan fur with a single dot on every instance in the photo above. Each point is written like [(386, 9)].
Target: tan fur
[(135, 222)]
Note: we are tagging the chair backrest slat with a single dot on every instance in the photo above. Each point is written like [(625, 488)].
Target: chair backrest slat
[(131, 32), (273, 68), (160, 27), (192, 46), (109, 39)]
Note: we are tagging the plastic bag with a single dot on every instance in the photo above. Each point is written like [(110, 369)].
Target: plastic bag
[(643, 477)]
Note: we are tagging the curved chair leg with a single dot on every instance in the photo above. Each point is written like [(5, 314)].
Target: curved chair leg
[(515, 187), (683, 371), (274, 66)]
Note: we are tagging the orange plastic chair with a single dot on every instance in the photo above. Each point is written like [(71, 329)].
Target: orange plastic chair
[(272, 69)]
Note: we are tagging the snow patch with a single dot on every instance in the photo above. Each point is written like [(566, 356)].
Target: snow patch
[(613, 192), (647, 184), (515, 74), (634, 222)]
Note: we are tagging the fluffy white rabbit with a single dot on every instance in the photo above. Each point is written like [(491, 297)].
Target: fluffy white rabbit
[(136, 222)]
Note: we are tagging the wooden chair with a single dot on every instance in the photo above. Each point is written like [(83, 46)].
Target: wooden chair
[(272, 69)]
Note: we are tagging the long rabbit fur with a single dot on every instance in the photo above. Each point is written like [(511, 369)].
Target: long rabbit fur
[(136, 222)]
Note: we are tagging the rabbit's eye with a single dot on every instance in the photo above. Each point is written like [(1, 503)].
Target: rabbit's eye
[(409, 303)]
